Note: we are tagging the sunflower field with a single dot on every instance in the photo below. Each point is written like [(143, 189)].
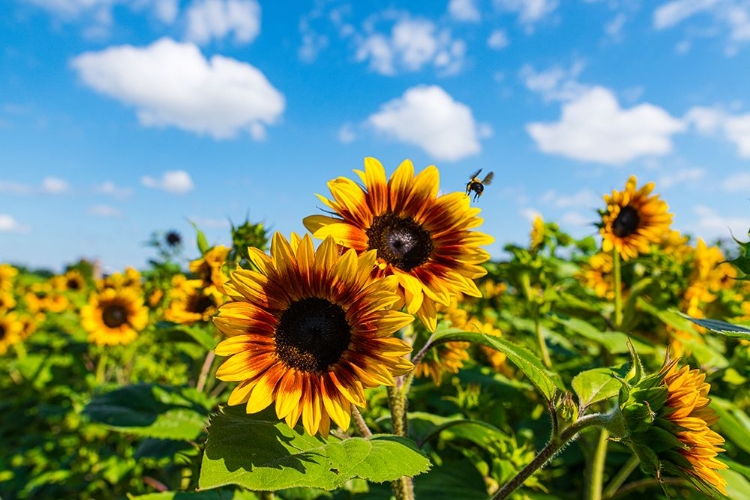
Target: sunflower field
[(385, 354)]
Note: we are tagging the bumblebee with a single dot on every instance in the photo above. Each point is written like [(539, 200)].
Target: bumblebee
[(476, 185)]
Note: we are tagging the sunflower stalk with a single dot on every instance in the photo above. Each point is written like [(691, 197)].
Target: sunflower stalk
[(359, 421), (621, 476), (618, 289), (557, 442), (403, 488)]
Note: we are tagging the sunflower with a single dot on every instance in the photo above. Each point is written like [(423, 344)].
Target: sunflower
[(7, 276), (10, 331), (677, 432), (114, 316), (537, 233), (423, 239), (310, 331), (209, 267), (597, 275), (633, 219), (190, 302), (130, 278), (444, 358), (7, 301)]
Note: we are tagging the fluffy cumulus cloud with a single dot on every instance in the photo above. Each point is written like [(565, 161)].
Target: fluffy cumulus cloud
[(556, 83), (412, 44), (9, 224), (104, 211), (464, 10), (498, 40), (715, 121), (172, 84), (173, 181), (729, 16), (593, 127), (216, 19), (529, 11), (54, 185), (428, 117)]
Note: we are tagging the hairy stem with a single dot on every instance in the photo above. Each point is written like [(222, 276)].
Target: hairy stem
[(403, 488), (621, 476), (618, 289), (594, 478), (359, 422)]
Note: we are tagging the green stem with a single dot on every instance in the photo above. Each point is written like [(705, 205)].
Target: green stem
[(101, 367), (542, 343), (360, 423), (594, 477), (403, 488), (205, 369), (621, 476), (618, 289), (648, 483), (556, 443)]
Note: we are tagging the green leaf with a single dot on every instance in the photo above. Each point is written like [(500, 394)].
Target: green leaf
[(733, 424), (457, 479), (196, 332), (544, 380), (480, 433), (614, 342), (200, 239), (160, 448), (260, 452), (737, 485), (595, 385), (151, 410), (721, 327), (222, 494)]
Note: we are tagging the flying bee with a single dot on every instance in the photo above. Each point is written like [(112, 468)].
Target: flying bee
[(477, 185)]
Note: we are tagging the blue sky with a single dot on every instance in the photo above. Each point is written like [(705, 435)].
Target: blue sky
[(120, 118)]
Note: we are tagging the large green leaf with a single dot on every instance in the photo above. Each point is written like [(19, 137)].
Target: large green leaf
[(223, 494), (260, 452), (595, 385), (544, 380), (721, 327), (459, 480), (151, 410), (614, 342), (734, 424)]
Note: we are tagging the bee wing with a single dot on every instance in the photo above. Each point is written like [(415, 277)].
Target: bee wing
[(474, 175), (488, 178)]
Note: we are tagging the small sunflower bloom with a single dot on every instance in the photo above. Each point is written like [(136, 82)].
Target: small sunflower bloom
[(8, 274), (209, 267), (537, 233), (633, 220), (191, 301), (7, 301), (309, 332), (114, 316), (424, 240), (10, 331), (669, 421)]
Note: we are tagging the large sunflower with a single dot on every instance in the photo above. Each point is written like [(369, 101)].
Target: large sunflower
[(678, 435), (633, 220), (425, 240), (309, 331), (114, 316)]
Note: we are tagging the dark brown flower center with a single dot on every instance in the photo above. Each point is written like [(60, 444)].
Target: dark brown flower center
[(2, 332), (200, 303), (626, 222), (73, 284), (173, 238), (402, 242), (312, 335), (114, 316)]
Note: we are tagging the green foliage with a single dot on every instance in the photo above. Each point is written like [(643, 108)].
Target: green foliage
[(260, 452)]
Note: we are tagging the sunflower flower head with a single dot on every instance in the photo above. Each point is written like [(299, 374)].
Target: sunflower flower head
[(668, 419), (424, 240), (8, 274), (114, 316), (309, 331), (209, 267), (633, 219), (537, 233), (10, 331)]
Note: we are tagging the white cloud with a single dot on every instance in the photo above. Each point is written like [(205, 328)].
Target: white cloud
[(103, 211), (109, 188), (216, 19), (498, 40), (413, 43), (614, 28), (464, 10), (709, 224), (347, 133), (428, 117), (680, 177), (593, 127), (584, 198), (576, 219), (10, 225), (672, 13), (173, 181), (312, 44), (729, 16), (53, 185), (529, 11), (14, 187), (98, 14), (556, 83), (737, 183), (171, 83), (713, 121), (530, 214)]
